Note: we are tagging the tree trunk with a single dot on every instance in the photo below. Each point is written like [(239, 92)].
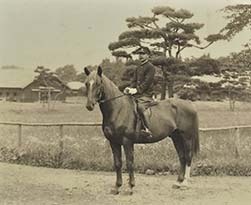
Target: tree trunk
[(163, 85), (166, 83), (170, 88), (231, 100), (232, 104), (163, 89)]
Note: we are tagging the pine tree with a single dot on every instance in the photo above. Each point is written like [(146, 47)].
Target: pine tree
[(164, 35)]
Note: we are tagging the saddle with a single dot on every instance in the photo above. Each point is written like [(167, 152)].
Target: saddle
[(143, 103)]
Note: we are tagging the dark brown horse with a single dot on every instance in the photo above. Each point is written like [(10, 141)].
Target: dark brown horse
[(174, 118)]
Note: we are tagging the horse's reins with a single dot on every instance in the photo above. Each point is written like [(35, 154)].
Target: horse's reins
[(102, 101), (107, 100), (114, 98)]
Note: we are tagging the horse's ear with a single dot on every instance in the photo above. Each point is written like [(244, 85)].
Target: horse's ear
[(87, 72), (100, 71)]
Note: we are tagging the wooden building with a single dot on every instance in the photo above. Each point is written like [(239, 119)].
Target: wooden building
[(77, 88), (21, 85)]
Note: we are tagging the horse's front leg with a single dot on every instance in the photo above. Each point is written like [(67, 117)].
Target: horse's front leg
[(129, 153), (116, 150)]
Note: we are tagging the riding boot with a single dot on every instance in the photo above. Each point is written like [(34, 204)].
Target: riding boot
[(144, 130), (141, 128), (138, 126)]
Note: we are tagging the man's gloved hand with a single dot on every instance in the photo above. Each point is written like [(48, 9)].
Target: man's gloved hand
[(130, 91), (126, 90)]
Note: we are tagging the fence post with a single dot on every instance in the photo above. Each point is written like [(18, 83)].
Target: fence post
[(61, 144), (237, 142), (19, 144)]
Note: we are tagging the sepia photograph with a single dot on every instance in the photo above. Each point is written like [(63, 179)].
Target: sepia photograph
[(121, 102)]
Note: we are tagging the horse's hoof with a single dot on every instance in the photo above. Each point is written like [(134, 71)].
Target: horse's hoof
[(180, 185), (128, 192), (184, 187), (114, 191), (176, 185)]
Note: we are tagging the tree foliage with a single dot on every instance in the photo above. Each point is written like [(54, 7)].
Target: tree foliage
[(175, 34), (113, 70), (239, 17), (47, 78), (164, 34), (242, 58), (66, 73), (204, 65), (44, 74), (121, 54)]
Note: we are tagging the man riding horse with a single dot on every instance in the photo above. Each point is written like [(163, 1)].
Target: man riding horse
[(141, 88), (175, 118)]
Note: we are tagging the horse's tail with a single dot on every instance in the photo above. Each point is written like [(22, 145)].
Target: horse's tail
[(195, 138)]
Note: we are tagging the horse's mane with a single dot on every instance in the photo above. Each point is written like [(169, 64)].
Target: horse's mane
[(111, 89)]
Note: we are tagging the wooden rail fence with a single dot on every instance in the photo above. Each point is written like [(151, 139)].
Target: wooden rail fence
[(61, 131), (95, 124)]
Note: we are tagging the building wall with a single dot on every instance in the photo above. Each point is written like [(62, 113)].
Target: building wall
[(11, 94), (27, 95), (79, 92), (31, 96)]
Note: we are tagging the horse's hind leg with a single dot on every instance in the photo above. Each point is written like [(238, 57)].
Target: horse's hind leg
[(188, 156), (116, 150), (179, 146), (129, 153)]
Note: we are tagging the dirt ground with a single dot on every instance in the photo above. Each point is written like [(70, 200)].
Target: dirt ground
[(24, 185)]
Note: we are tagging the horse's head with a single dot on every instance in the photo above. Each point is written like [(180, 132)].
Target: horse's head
[(94, 87)]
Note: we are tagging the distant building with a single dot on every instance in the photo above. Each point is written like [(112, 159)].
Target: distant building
[(208, 78), (77, 88), (20, 85)]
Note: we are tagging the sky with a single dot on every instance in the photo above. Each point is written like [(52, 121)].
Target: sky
[(54, 33)]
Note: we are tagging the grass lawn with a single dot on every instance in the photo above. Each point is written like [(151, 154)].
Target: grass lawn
[(35, 112), (217, 114), (86, 148), (211, 114)]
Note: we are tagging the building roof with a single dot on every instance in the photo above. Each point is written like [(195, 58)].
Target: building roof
[(16, 78), (208, 78), (75, 85)]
